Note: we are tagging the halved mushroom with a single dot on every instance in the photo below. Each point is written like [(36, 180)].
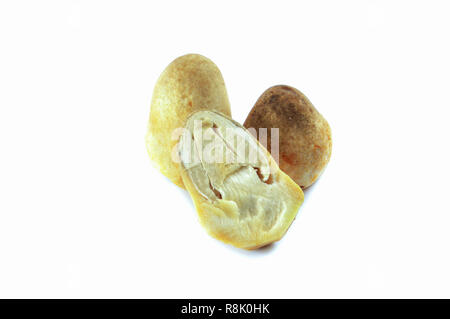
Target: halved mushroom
[(241, 196)]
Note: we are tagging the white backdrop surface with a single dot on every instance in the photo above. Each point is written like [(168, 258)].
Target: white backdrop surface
[(84, 214)]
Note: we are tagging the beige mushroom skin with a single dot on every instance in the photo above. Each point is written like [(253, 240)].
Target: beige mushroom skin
[(190, 83), (304, 134), (241, 196)]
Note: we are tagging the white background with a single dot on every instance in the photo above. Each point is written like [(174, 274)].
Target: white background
[(84, 214)]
